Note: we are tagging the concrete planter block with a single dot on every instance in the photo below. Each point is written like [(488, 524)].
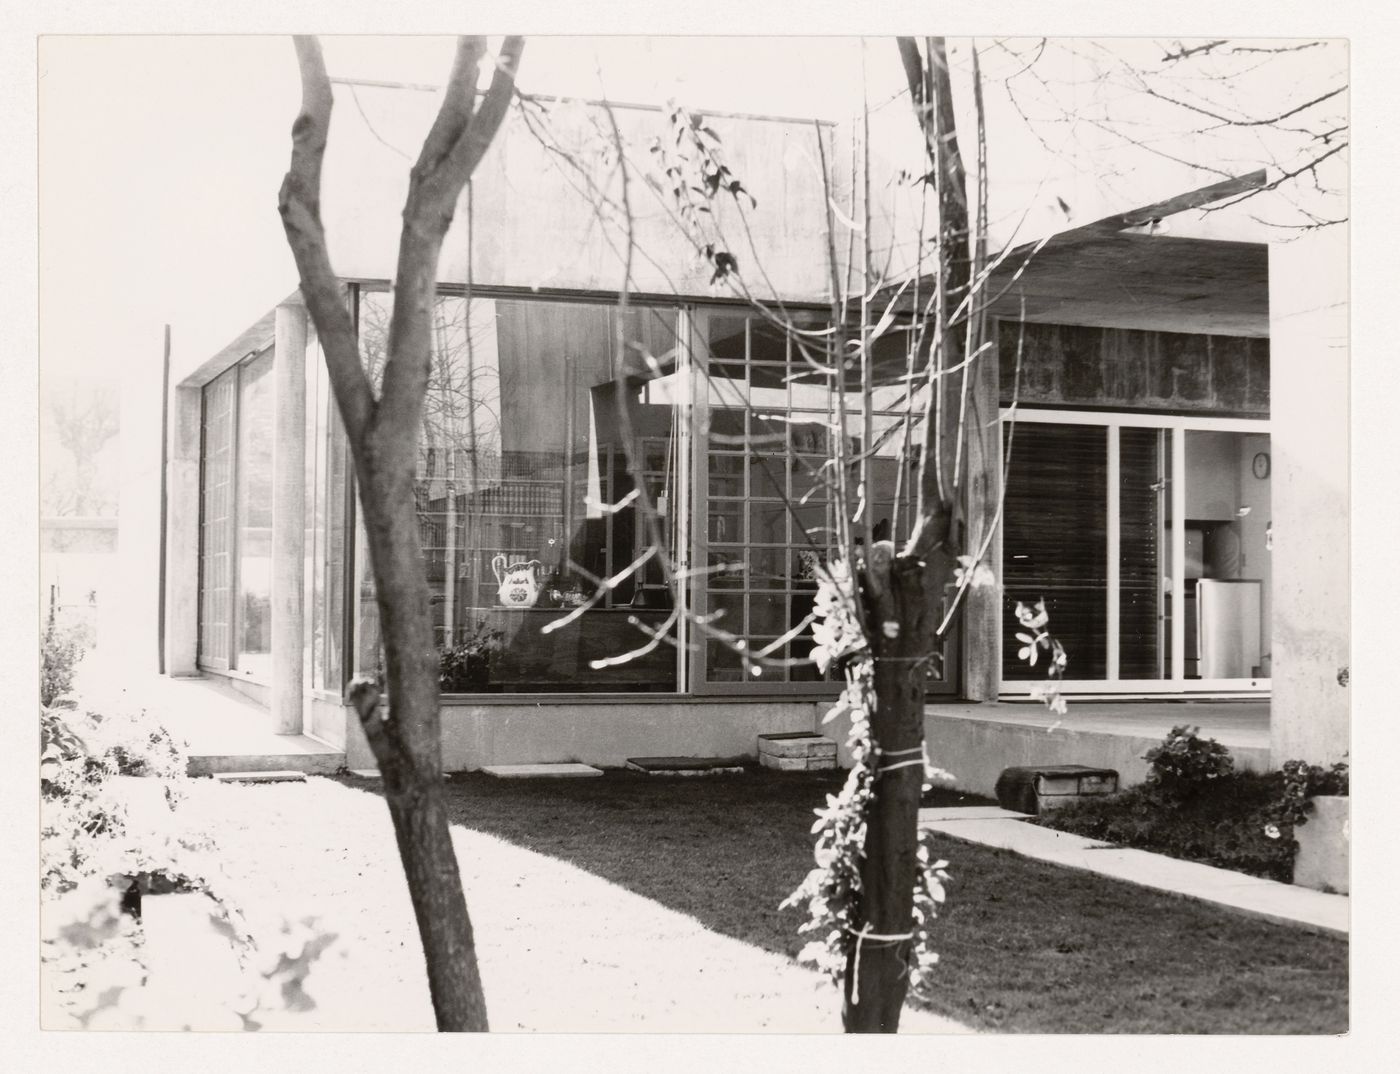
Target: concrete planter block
[(797, 764), (1324, 846), (796, 745)]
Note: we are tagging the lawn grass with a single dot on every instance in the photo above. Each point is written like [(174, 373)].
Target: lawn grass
[(1026, 946)]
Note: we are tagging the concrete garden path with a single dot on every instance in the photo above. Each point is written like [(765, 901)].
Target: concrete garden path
[(561, 950), (1251, 895)]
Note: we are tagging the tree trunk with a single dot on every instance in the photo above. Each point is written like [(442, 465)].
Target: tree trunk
[(383, 434), (901, 591), (405, 739)]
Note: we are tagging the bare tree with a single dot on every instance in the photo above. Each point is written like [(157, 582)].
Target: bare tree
[(383, 433), (84, 420), (1214, 107)]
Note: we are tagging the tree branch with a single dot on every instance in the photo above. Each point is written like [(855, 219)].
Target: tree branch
[(435, 184), (299, 203)]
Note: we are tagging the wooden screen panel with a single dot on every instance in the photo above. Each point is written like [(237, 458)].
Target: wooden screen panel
[(1055, 543), (1141, 551)]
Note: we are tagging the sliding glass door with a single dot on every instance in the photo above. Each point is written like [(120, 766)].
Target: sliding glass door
[(1148, 539)]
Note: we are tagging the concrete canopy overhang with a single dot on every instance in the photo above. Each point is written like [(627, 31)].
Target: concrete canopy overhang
[(1130, 271)]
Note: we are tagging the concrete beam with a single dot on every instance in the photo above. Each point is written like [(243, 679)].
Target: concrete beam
[(288, 517), (981, 617)]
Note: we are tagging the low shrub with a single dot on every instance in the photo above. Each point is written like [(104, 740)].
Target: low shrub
[(1195, 806), (1185, 762), (97, 852)]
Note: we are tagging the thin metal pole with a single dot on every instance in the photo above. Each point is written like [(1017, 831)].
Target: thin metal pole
[(164, 464)]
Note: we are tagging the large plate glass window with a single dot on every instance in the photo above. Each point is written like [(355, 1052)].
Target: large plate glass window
[(1148, 539), (526, 501)]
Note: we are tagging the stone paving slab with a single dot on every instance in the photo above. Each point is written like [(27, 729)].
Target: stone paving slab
[(1256, 896), (545, 771), (1011, 834), (270, 776)]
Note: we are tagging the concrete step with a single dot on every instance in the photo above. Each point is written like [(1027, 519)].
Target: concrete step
[(797, 764), (687, 766), (542, 771), (302, 754), (273, 776)]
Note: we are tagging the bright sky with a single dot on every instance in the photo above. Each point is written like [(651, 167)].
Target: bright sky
[(160, 160)]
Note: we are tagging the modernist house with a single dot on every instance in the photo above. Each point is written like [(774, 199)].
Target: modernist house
[(1176, 490)]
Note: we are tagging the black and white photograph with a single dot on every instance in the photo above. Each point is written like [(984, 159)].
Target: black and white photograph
[(723, 531)]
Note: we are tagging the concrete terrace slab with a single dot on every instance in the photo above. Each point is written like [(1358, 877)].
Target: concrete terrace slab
[(1237, 724), (226, 732), (541, 771), (1255, 896)]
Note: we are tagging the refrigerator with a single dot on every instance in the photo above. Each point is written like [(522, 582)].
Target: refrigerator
[(1229, 627)]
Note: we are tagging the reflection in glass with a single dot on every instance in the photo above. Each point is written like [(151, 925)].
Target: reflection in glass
[(525, 497)]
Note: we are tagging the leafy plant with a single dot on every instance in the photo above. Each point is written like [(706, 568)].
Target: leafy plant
[(94, 846), (1301, 782), (1184, 762), (1195, 806), (466, 666), (1225, 822), (59, 652)]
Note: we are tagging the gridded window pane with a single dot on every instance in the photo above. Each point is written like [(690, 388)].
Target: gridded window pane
[(727, 475), (216, 518), (768, 568), (726, 568), (768, 523)]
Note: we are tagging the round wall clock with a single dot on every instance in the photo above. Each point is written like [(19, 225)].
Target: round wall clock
[(1261, 465)]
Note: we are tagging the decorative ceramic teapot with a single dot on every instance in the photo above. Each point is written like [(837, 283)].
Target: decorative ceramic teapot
[(519, 582)]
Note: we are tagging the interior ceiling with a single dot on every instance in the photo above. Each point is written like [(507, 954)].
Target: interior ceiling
[(1128, 279)]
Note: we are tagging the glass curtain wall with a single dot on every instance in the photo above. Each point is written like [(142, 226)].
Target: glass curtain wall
[(235, 626), (525, 500)]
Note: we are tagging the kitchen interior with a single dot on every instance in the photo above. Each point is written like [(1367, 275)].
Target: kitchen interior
[(1226, 590)]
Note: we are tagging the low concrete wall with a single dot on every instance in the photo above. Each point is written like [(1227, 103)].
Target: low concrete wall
[(327, 719), (977, 751), (604, 732)]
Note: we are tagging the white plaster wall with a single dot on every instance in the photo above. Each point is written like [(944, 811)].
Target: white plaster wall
[(1308, 289)]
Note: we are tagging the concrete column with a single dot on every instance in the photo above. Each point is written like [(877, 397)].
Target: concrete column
[(182, 534), (1309, 390), (288, 517), (981, 616)]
